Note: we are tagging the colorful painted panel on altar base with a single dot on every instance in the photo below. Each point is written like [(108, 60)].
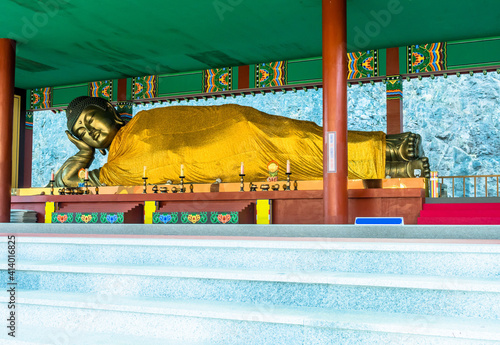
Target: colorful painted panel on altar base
[(87, 217), (195, 218)]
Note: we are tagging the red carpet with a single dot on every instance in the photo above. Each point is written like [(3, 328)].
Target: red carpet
[(457, 213)]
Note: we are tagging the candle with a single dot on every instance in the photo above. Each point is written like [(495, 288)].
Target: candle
[(288, 166), (144, 173), (182, 169), (52, 175), (242, 169), (87, 174)]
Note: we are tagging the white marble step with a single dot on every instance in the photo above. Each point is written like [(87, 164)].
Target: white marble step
[(437, 259), (275, 243), (36, 335), (312, 336), (332, 278), (448, 232), (40, 305)]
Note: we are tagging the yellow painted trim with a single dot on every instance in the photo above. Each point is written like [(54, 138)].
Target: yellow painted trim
[(264, 211), (16, 123), (50, 207), (149, 209)]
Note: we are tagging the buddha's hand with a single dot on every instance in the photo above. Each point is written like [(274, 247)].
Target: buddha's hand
[(80, 144)]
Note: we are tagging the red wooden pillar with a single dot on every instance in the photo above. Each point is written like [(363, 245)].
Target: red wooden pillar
[(7, 65), (122, 90), (123, 106), (244, 77), (394, 102), (334, 112)]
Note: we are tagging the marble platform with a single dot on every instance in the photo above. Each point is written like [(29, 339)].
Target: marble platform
[(423, 232), (202, 287)]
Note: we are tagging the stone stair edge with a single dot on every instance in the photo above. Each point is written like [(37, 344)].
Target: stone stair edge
[(33, 335), (444, 326), (320, 244), (354, 233), (286, 276)]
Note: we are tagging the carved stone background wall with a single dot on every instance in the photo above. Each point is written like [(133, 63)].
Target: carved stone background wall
[(459, 120)]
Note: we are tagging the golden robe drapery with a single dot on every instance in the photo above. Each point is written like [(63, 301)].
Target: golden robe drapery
[(212, 141)]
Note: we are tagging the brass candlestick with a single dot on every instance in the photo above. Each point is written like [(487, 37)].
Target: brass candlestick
[(87, 186), (52, 187), (145, 181), (253, 187), (288, 180), (242, 189), (182, 184)]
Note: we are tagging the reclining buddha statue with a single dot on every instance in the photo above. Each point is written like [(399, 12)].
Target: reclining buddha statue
[(212, 141)]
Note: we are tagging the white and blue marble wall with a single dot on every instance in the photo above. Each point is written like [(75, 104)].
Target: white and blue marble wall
[(367, 107), (459, 120), (366, 111)]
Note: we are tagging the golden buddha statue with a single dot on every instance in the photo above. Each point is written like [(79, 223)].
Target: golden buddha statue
[(212, 141)]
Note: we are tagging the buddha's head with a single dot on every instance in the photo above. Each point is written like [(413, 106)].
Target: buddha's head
[(93, 120)]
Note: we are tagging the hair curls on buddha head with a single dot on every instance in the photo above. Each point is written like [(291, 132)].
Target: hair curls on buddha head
[(79, 104)]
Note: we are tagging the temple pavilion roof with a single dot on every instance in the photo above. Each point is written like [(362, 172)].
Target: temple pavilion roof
[(63, 42)]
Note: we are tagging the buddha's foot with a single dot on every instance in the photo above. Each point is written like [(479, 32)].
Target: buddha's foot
[(415, 168), (403, 147)]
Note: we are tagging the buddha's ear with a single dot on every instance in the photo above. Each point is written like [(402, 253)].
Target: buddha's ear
[(118, 119)]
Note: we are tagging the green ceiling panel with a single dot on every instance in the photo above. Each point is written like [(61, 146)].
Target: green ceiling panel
[(63, 42), (115, 90), (305, 71), (251, 78), (235, 77), (180, 84), (61, 96), (479, 53), (382, 62), (129, 88), (403, 60)]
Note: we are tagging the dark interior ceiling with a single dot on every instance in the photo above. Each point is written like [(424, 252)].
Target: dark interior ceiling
[(63, 42)]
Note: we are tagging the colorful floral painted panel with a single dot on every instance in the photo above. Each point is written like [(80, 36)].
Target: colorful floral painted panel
[(218, 79)]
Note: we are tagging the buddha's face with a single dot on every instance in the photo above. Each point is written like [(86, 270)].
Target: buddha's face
[(96, 127)]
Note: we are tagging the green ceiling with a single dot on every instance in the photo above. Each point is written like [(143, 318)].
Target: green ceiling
[(62, 42)]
